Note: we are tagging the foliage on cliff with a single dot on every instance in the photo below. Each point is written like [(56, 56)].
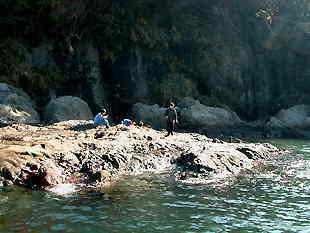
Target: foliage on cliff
[(114, 25), (222, 52), (16, 70)]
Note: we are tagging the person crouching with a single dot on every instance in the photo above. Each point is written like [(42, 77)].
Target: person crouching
[(102, 118)]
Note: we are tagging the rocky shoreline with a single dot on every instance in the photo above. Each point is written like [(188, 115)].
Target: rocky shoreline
[(76, 152)]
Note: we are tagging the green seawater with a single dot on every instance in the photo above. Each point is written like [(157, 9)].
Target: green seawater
[(274, 198)]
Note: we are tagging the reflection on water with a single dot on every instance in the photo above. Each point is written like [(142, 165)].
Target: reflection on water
[(271, 199)]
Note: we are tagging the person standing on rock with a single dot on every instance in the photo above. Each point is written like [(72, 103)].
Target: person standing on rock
[(102, 118), (171, 116)]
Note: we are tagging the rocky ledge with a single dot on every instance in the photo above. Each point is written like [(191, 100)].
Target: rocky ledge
[(79, 153)]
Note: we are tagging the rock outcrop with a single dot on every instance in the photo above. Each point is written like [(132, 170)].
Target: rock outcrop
[(16, 106), (67, 108), (79, 153), (295, 117), (198, 115), (245, 55), (192, 114), (153, 115)]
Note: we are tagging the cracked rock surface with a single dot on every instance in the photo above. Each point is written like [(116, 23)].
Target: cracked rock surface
[(77, 152)]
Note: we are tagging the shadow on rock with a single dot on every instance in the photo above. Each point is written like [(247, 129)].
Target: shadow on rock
[(82, 127)]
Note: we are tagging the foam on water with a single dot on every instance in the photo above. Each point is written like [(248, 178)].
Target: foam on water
[(63, 189)]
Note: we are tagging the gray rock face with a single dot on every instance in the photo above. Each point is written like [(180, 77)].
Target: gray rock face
[(274, 123), (131, 73), (83, 69), (150, 114), (187, 102), (225, 50), (288, 34), (16, 105), (199, 115), (41, 57), (67, 108), (138, 74), (89, 55), (192, 114), (250, 61), (294, 117)]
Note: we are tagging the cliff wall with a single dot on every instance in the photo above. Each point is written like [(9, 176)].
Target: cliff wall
[(251, 57)]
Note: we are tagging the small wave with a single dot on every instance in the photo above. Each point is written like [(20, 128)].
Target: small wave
[(303, 175), (269, 175), (3, 199), (307, 150)]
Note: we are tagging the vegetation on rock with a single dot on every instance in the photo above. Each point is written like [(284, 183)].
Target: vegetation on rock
[(244, 55)]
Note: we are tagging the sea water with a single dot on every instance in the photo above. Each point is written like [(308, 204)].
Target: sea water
[(273, 198)]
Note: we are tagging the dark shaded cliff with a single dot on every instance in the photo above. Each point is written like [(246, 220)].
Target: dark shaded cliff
[(250, 56)]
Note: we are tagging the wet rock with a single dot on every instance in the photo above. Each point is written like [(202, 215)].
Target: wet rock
[(99, 176), (7, 183), (192, 162), (206, 161), (251, 154), (10, 172)]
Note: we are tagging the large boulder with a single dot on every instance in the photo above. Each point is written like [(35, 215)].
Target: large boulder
[(150, 114), (297, 116), (187, 102), (67, 108), (274, 123), (197, 115), (192, 114), (16, 105)]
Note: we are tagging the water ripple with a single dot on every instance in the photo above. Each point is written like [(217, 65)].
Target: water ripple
[(272, 199)]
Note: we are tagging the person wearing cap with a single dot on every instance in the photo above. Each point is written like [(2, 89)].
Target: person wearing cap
[(171, 116), (102, 118)]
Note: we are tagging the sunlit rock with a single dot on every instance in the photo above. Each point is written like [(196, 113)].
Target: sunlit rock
[(16, 105), (67, 108), (295, 117), (199, 115)]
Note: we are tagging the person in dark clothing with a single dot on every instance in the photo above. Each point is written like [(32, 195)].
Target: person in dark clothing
[(171, 116)]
